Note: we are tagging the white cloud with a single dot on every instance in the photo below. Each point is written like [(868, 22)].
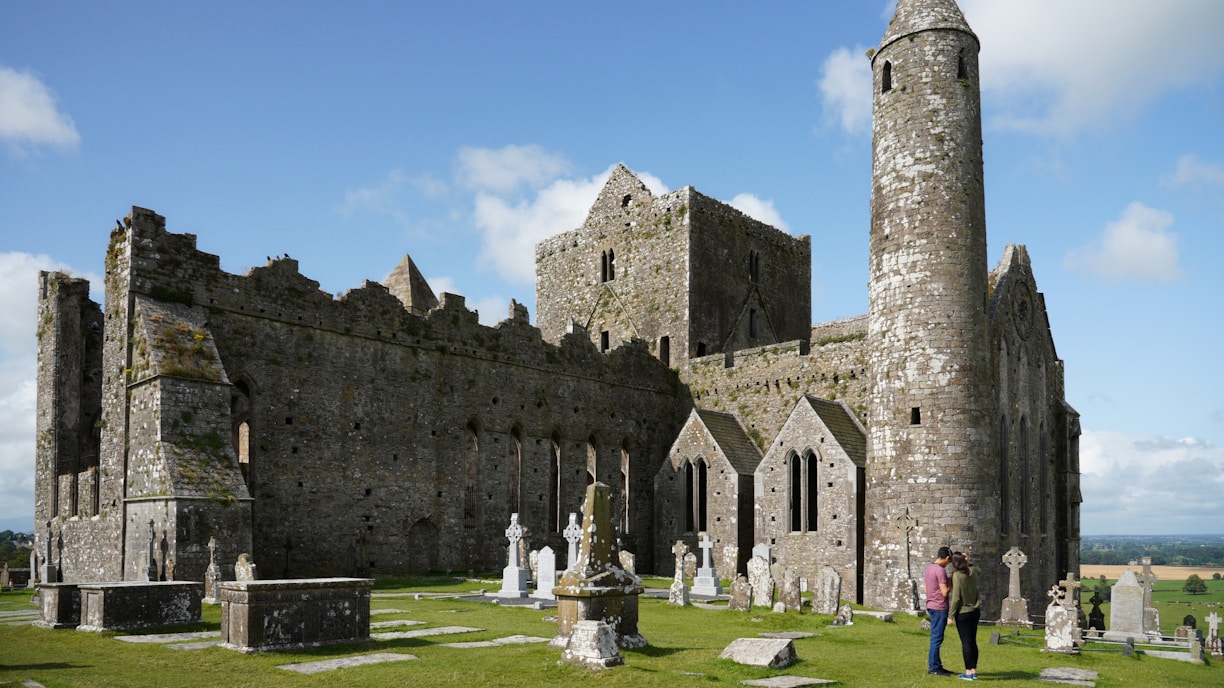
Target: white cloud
[(386, 198), (845, 89), (1136, 247), (29, 116), (506, 169), (1194, 172), (18, 357), (1150, 484), (1061, 66), (759, 209)]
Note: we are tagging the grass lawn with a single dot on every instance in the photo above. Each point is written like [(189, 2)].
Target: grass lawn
[(683, 651)]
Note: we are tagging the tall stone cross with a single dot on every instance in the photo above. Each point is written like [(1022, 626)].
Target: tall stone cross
[(573, 535), (1071, 586), (707, 546), (1015, 560), (514, 533), (905, 523), (212, 551), (1148, 579), (680, 549), (1213, 621)]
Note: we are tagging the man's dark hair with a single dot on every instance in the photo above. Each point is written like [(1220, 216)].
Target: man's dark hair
[(944, 553)]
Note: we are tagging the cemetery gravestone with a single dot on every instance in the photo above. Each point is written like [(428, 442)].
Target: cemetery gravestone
[(573, 535), (762, 583), (741, 595), (678, 594), (1062, 633), (628, 561), (690, 565), (1151, 615), (1015, 607), (730, 560), (706, 582), (514, 576), (592, 644), (1213, 634), (546, 574), (244, 568), (789, 595), (1126, 608), (1096, 619), (212, 575), (827, 594), (4, 577)]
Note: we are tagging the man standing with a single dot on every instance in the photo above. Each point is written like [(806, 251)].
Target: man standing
[(935, 580)]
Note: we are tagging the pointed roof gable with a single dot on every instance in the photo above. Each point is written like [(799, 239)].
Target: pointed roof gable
[(914, 16), (408, 285), (844, 426), (622, 190), (727, 431)]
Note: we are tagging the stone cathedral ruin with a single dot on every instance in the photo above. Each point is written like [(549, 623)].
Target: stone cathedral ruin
[(672, 358)]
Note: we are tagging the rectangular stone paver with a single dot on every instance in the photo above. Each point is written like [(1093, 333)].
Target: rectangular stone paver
[(393, 624), (788, 682), (509, 640), (203, 645), (343, 662), (168, 637), (423, 632), (1069, 676)]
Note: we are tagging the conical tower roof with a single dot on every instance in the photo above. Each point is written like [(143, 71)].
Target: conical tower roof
[(408, 285), (913, 16)]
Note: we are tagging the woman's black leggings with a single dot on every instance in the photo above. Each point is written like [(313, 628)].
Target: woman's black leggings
[(966, 628)]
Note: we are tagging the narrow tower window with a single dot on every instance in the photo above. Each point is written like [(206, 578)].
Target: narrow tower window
[(604, 341), (611, 265), (603, 267), (665, 350), (796, 493), (690, 502), (703, 506), (961, 72), (554, 485), (592, 461), (886, 78), (811, 464), (916, 416), (624, 500)]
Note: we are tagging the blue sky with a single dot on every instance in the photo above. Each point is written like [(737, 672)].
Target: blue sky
[(348, 134)]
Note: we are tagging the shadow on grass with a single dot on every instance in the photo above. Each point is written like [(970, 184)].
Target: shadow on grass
[(46, 665), (1007, 676), (654, 651)]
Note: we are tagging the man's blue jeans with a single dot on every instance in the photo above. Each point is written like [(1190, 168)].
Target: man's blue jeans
[(939, 622)]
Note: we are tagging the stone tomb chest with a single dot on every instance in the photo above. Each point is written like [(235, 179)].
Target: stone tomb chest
[(130, 605), (285, 614), (60, 605)]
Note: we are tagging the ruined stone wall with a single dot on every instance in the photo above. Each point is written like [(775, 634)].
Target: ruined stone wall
[(761, 385), (361, 417), (1038, 512), (833, 541), (66, 485), (725, 292), (931, 407), (624, 272)]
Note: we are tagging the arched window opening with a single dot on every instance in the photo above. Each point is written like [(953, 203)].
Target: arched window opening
[(795, 492), (1043, 477), (886, 78), (754, 266), (690, 501), (703, 506), (811, 466), (240, 417), (243, 449), (627, 201), (592, 461), (470, 462), (603, 267), (961, 71), (1023, 460), (701, 349), (514, 487), (665, 350), (611, 265), (1004, 487), (624, 496), (554, 484)]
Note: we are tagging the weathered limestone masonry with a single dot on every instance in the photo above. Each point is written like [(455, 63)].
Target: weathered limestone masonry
[(930, 406), (334, 436), (688, 274)]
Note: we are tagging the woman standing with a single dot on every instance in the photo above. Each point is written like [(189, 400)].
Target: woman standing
[(965, 606)]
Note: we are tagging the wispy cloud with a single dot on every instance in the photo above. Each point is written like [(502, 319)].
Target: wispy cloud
[(1131, 483), (759, 209), (1053, 67), (845, 89), (1194, 172), (29, 115), (506, 169), (1137, 247)]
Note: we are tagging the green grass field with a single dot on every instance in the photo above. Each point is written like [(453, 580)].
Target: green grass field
[(683, 651)]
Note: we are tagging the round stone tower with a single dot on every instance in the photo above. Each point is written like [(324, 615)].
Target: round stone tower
[(930, 478)]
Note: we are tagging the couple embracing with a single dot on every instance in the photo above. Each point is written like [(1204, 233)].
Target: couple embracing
[(953, 600)]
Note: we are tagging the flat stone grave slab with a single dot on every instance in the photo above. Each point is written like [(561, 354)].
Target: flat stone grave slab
[(424, 632), (166, 638), (388, 611), (344, 662), (509, 640), (11, 614), (775, 653), (262, 615), (1069, 676), (393, 624), (202, 645), (129, 605), (789, 635), (882, 616), (787, 682)]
